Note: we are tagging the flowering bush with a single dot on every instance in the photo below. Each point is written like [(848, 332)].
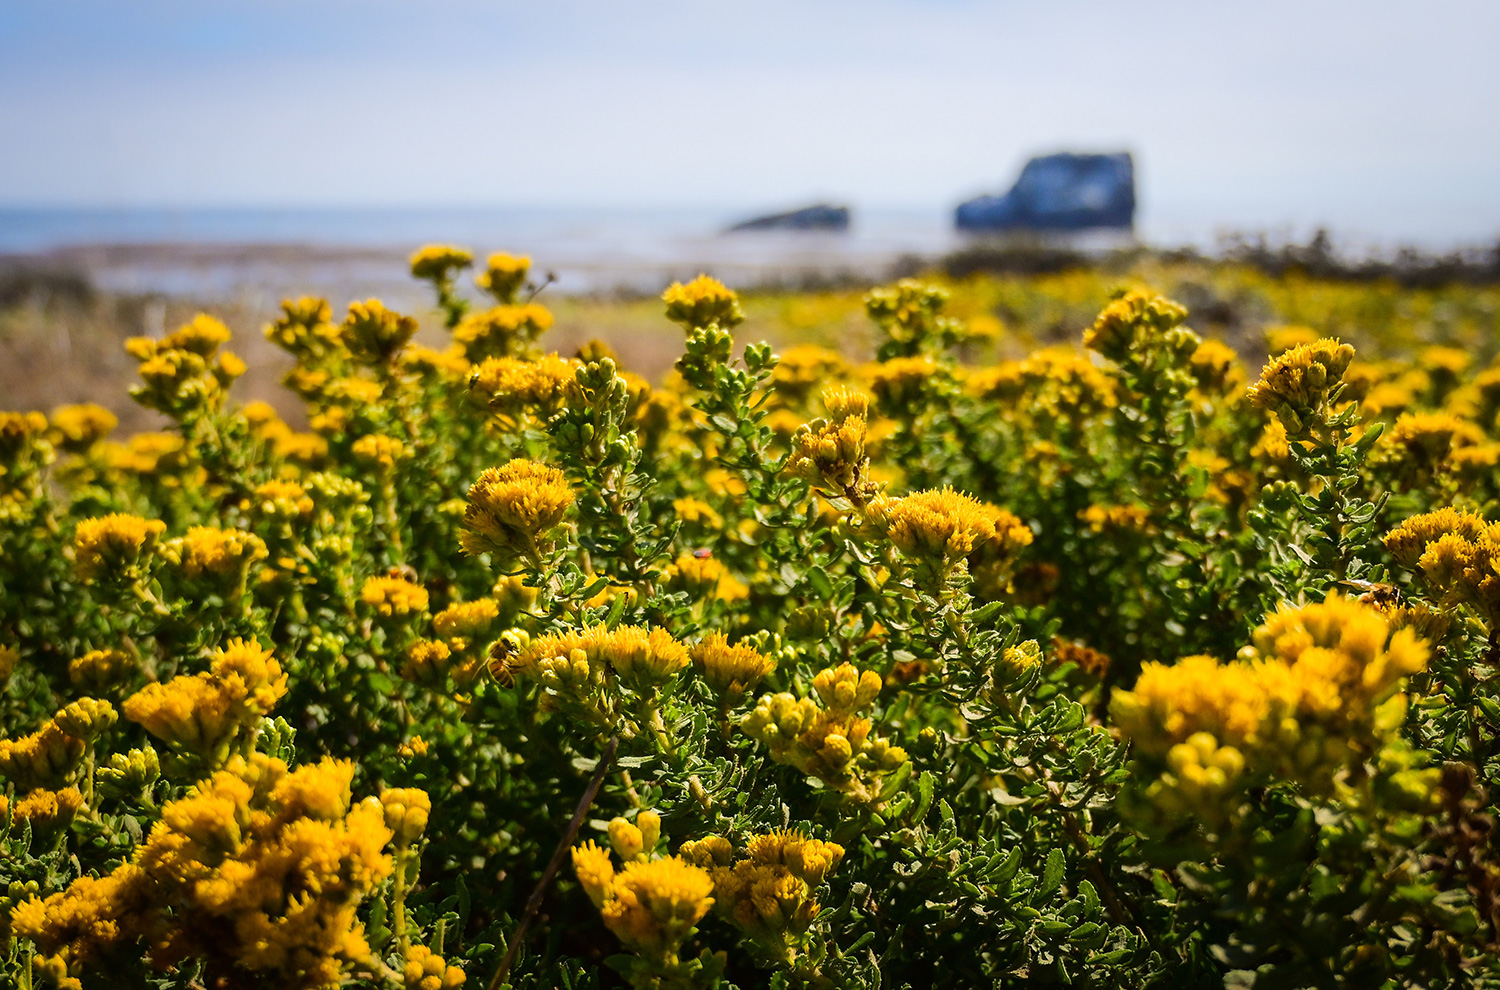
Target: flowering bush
[(975, 664)]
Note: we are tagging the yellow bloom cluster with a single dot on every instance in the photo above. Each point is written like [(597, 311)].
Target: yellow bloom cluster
[(1056, 382), (512, 507), (901, 384), (577, 665), (202, 714), (802, 368), (515, 386), (503, 276), (222, 554), (831, 742), (1217, 368), (1116, 519), (379, 451), (502, 331), (439, 262), (769, 892), (180, 372), (1296, 383), (729, 670), (48, 812), (394, 597), (1458, 555), (304, 328), (1138, 322), (466, 620), (704, 302), (44, 758), (114, 546), (1420, 443), (257, 867), (426, 970), (829, 454), (281, 499), (406, 811), (78, 427), (1306, 700), (373, 334), (652, 905), (705, 578), (938, 528)]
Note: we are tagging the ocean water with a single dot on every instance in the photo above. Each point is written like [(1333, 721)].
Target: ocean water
[(224, 253)]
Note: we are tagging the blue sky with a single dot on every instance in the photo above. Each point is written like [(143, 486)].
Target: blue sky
[(1381, 118)]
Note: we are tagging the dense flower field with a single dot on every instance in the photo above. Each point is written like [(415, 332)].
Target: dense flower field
[(1106, 663)]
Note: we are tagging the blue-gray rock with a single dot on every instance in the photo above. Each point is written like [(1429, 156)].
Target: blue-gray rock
[(820, 217), (1059, 192)]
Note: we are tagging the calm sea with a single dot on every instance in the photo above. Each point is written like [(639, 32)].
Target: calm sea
[(219, 253)]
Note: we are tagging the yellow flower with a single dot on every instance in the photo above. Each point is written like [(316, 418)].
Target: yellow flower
[(829, 454), (426, 662), (502, 331), (202, 713), (438, 262), (641, 658), (466, 619), (503, 276), (1458, 555), (941, 527), (373, 334), (394, 597), (1305, 700), (705, 577), (1136, 321), (653, 906), (901, 384), (1294, 384), (406, 812), (114, 546), (44, 758), (46, 811), (282, 499), (696, 512), (379, 450), (1116, 518), (79, 427), (512, 386), (730, 670), (1217, 367), (704, 302), (769, 893), (511, 507), (595, 871), (217, 553), (426, 970)]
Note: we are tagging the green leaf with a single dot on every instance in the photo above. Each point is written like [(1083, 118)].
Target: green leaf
[(1052, 874)]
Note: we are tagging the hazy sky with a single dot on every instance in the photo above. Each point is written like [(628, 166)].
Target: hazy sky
[(1381, 118)]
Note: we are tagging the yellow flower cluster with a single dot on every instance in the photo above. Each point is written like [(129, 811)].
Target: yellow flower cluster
[(304, 329), (513, 386), (439, 262), (770, 892), (115, 546), (577, 665), (503, 276), (705, 578), (1057, 382), (831, 741), (78, 427), (1311, 696), (1138, 322), (502, 331), (652, 905), (426, 970), (730, 671), (203, 714), (1297, 382), (373, 334), (379, 451), (1116, 519), (937, 529), (512, 507), (901, 384), (704, 302), (256, 867), (466, 620), (221, 554), (48, 812), (829, 454), (1458, 555), (394, 597), (45, 758), (282, 500), (180, 373), (1420, 443)]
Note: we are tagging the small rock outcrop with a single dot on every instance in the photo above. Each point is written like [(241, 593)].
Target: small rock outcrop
[(820, 217)]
